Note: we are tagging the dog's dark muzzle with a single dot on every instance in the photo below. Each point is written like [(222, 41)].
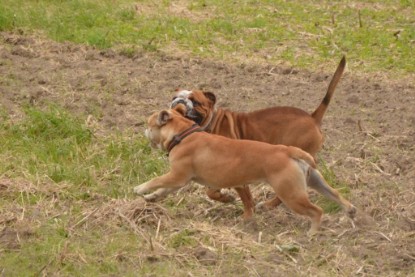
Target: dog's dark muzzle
[(195, 116)]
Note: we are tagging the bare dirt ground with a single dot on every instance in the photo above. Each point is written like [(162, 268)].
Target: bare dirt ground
[(369, 128)]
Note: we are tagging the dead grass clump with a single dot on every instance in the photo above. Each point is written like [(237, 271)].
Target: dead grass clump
[(137, 212), (9, 186)]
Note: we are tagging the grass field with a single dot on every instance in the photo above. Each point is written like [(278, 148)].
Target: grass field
[(375, 35), (72, 149), (68, 170)]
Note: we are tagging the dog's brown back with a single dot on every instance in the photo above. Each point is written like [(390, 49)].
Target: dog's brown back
[(278, 125)]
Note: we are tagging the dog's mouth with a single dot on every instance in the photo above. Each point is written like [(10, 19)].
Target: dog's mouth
[(153, 143), (191, 113), (195, 116)]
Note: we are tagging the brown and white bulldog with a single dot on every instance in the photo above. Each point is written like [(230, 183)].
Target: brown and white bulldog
[(220, 162), (278, 125)]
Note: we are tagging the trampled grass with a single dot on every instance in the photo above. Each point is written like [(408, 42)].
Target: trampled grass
[(375, 35)]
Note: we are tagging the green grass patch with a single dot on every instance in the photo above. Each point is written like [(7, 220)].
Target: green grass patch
[(183, 238), (376, 36), (85, 253), (52, 144), (56, 173), (327, 205)]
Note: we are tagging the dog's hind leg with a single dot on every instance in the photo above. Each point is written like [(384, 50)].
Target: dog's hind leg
[(215, 194), (290, 188), (316, 181), (301, 204), (269, 204)]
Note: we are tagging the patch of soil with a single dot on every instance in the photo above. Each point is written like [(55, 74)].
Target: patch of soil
[(369, 126), (11, 238), (205, 256)]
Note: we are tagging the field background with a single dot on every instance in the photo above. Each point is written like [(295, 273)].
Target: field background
[(79, 78)]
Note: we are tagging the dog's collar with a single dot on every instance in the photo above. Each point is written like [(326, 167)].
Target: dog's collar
[(179, 137)]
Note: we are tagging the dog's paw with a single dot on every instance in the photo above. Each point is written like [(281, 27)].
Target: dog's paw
[(152, 197), (228, 198), (140, 190), (312, 233), (351, 212)]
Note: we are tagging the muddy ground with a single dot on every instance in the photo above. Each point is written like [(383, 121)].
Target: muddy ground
[(369, 126)]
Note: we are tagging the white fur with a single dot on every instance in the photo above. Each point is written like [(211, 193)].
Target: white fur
[(141, 189), (184, 93), (183, 96)]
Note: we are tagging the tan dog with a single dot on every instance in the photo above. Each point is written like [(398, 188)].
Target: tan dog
[(220, 162), (277, 125)]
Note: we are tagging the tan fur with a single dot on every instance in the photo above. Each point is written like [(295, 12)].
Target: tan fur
[(220, 162), (278, 125)]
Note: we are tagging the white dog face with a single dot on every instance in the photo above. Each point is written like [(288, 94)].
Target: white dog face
[(182, 97)]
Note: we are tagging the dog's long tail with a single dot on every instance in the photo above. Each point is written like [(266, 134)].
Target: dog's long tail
[(321, 109), (316, 181), (299, 154)]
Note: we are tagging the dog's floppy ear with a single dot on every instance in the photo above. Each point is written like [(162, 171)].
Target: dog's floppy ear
[(210, 95), (164, 116), (180, 108)]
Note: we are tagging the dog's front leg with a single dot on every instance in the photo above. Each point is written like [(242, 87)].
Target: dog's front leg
[(164, 184), (158, 194), (247, 201), (145, 187)]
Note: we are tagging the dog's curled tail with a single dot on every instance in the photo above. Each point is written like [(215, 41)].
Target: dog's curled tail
[(297, 153), (321, 109)]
